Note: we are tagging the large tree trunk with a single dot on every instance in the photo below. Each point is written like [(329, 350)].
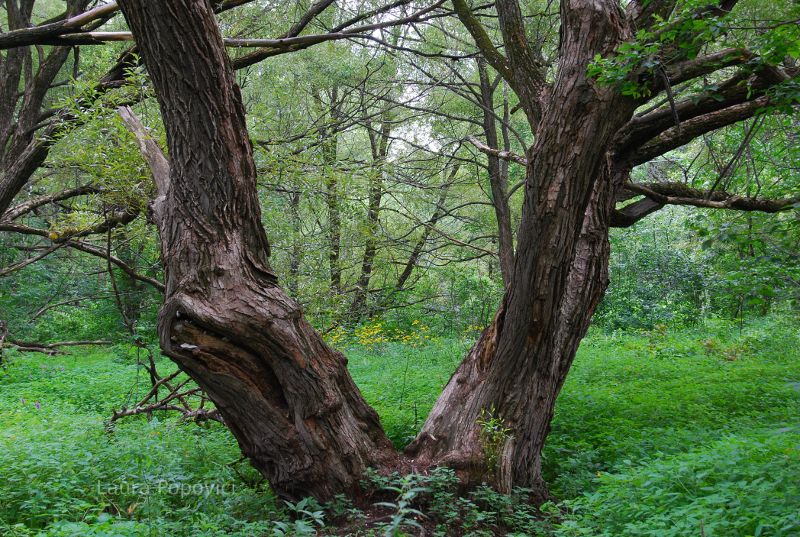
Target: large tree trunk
[(516, 369), (286, 396)]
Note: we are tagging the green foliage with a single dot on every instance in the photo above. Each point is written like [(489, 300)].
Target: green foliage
[(480, 512), (403, 514), (742, 484), (63, 470), (308, 517), (493, 434), (655, 278), (402, 382), (656, 432), (691, 30)]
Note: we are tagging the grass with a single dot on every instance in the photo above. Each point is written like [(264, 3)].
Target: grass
[(688, 433), (661, 433)]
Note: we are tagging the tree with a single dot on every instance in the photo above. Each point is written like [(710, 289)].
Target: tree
[(21, 152), (587, 140), (498, 170), (286, 396)]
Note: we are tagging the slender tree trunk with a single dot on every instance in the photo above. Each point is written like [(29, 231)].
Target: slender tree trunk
[(334, 233), (296, 253), (516, 369), (129, 292), (379, 143), (21, 153), (416, 252), (3, 335), (498, 177), (330, 150), (286, 396)]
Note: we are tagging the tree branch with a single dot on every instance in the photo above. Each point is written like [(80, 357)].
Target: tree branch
[(283, 45), (86, 248), (633, 212), (49, 348), (674, 137), (482, 40), (499, 153), (152, 153), (24, 263), (34, 203), (526, 64), (680, 194), (44, 32)]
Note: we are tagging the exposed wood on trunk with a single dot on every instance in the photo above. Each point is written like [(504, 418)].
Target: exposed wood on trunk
[(156, 161)]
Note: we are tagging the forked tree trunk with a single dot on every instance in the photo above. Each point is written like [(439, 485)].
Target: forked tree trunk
[(515, 371), (516, 380), (286, 396)]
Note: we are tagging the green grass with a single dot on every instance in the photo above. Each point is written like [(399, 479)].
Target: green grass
[(656, 434), (668, 433), (402, 382)]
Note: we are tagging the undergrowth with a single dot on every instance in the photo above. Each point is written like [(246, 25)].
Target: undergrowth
[(659, 433)]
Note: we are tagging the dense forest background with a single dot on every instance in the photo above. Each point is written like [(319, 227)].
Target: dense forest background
[(364, 161)]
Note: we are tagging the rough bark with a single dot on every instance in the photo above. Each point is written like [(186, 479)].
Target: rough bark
[(517, 368), (286, 396)]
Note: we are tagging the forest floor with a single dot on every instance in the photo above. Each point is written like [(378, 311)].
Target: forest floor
[(657, 433)]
